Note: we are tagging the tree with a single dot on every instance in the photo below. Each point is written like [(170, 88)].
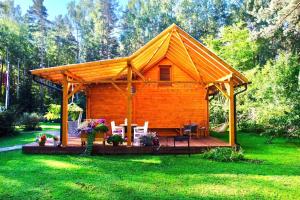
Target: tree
[(95, 23), (143, 20), (235, 45), (10, 11), (202, 18), (62, 44), (272, 101), (276, 20), (105, 19), (39, 25)]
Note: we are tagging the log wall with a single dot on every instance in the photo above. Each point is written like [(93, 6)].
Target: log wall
[(164, 106)]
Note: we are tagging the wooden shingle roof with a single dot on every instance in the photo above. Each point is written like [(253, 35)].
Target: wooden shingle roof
[(174, 43)]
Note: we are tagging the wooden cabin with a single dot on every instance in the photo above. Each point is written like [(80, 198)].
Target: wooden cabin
[(166, 82)]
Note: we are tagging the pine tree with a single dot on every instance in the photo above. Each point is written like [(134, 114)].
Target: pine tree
[(39, 25)]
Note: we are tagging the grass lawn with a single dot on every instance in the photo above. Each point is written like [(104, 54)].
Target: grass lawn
[(24, 137), (155, 177)]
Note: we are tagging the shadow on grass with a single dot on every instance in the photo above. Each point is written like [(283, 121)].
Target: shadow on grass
[(152, 177), (133, 177)]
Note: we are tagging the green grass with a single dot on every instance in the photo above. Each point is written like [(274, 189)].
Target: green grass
[(155, 177), (24, 137)]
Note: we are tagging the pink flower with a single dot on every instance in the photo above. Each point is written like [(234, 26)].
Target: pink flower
[(101, 121)]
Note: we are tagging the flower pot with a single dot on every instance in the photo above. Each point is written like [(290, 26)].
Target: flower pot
[(42, 144), (115, 144)]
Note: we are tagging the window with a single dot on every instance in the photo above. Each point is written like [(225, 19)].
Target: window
[(165, 74)]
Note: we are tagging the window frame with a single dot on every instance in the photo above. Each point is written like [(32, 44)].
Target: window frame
[(170, 74)]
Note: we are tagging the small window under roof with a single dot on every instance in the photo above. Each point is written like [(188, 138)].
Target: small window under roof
[(165, 74)]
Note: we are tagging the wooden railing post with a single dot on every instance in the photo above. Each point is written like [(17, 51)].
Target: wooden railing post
[(231, 115), (64, 111), (129, 103)]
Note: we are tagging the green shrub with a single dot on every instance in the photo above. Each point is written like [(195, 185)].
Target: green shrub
[(54, 112), (7, 122), (30, 121), (224, 154)]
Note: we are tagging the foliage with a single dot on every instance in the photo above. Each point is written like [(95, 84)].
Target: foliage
[(224, 154), (101, 128), (149, 139), (218, 108), (42, 140), (54, 112), (115, 139), (93, 126), (235, 45), (26, 137), (7, 122), (272, 101), (260, 38), (30, 121)]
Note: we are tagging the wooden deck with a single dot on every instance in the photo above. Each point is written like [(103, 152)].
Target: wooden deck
[(197, 145)]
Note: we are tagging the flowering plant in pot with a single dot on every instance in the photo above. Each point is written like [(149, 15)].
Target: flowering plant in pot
[(115, 139), (91, 128), (42, 140), (150, 139)]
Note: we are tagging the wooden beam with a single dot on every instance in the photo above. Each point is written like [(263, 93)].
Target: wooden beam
[(119, 74), (210, 53), (188, 55), (206, 93), (73, 76), (80, 65), (118, 88), (64, 111), (158, 48), (207, 62), (207, 123), (231, 114), (88, 103), (227, 77), (171, 56), (159, 36), (76, 89), (208, 83), (138, 73), (146, 68), (221, 90), (129, 104)]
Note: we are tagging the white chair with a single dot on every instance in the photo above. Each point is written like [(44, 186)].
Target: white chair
[(139, 131), (117, 129)]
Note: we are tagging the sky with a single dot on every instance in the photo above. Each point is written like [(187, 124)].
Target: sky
[(54, 7)]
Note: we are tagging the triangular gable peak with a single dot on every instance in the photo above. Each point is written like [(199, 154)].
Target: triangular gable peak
[(186, 52)]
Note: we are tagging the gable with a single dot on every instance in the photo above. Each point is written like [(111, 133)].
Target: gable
[(177, 73), (173, 43)]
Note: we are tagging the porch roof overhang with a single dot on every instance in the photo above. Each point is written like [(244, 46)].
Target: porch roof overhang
[(173, 43)]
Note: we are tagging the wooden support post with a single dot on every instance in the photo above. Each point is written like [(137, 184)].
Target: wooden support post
[(129, 103), (207, 123), (231, 114), (88, 103), (64, 111)]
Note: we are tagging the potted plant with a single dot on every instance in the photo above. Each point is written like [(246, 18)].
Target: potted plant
[(90, 130), (150, 139), (42, 140), (115, 139), (55, 141)]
